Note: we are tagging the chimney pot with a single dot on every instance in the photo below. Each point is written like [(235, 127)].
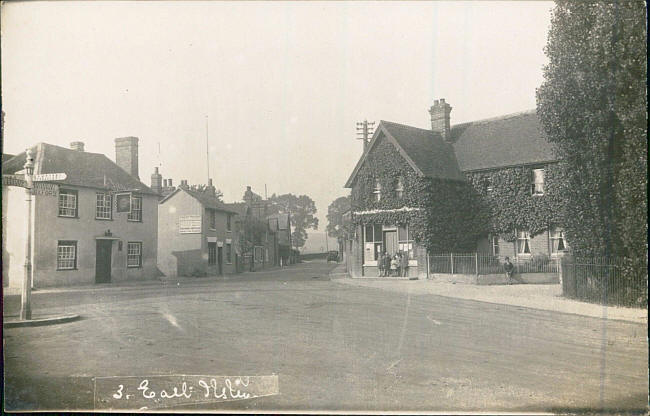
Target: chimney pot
[(78, 146), (210, 182)]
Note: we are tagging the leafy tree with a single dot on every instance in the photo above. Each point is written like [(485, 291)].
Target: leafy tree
[(336, 226), (302, 209), (207, 189), (592, 106)]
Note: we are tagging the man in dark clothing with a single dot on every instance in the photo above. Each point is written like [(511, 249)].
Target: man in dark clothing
[(386, 260), (509, 269), (404, 264), (380, 263)]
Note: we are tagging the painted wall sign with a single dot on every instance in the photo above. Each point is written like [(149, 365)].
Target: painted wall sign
[(189, 224), (123, 202)]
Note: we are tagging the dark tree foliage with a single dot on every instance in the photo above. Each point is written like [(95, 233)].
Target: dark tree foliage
[(251, 233), (336, 225), (302, 209), (207, 189), (592, 106)]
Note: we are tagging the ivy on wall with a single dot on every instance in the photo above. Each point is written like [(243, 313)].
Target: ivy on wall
[(510, 205), (449, 217)]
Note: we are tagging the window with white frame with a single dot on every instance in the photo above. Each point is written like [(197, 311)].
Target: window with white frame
[(537, 185), (66, 255), (228, 222), (189, 224), (495, 245), (377, 190), (212, 215), (136, 209), (523, 242), (104, 208), (405, 241), (399, 188), (373, 239), (134, 254), (67, 203), (558, 244)]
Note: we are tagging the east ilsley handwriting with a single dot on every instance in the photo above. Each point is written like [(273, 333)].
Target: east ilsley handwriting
[(210, 389)]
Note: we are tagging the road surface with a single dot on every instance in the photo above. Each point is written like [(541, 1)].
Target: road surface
[(332, 346)]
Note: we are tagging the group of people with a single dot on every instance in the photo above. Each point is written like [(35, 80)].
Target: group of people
[(396, 265)]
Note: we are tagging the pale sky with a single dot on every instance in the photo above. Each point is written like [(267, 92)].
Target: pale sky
[(283, 84)]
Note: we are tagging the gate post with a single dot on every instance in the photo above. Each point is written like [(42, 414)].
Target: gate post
[(452, 262)]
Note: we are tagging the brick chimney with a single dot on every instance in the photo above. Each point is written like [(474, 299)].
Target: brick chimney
[(156, 181), (78, 146), (126, 154), (440, 118), (210, 189), (248, 195)]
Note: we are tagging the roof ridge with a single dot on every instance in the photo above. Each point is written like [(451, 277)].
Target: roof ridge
[(405, 125), (496, 118)]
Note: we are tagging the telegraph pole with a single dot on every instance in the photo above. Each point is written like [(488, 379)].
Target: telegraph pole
[(207, 147), (365, 130)]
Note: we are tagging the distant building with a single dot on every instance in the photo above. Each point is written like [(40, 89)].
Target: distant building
[(280, 224), (197, 233), (264, 251), (79, 236)]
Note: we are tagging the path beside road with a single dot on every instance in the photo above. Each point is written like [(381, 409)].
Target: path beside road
[(544, 297)]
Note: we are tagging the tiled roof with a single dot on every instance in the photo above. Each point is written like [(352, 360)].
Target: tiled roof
[(6, 157), (238, 207), (93, 170), (209, 201), (204, 199), (511, 140), (427, 150), (514, 139)]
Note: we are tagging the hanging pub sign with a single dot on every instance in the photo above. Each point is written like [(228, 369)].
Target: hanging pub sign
[(123, 202)]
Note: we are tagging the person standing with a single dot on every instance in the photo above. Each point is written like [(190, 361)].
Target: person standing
[(509, 268), (404, 264), (380, 263), (386, 260), (398, 263)]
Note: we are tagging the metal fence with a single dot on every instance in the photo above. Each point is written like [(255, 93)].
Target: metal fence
[(482, 264), (608, 281)]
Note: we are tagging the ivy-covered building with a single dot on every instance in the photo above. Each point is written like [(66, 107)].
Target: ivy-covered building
[(486, 186)]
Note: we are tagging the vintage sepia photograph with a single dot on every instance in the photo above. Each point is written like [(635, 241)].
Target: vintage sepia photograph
[(352, 207)]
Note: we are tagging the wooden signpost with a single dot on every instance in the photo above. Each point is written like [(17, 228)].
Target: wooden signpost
[(33, 186)]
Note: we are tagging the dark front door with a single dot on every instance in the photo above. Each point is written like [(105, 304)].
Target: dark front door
[(103, 261), (220, 259)]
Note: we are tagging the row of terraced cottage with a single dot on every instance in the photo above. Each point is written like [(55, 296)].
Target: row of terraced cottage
[(489, 187), (82, 233)]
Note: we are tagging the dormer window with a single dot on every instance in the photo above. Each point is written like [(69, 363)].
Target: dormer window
[(399, 189), (537, 179), (377, 190)]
